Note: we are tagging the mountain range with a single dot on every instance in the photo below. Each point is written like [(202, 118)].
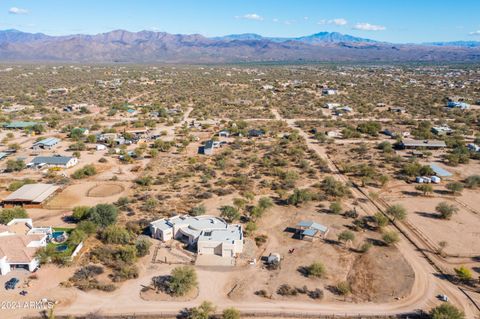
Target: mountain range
[(153, 47)]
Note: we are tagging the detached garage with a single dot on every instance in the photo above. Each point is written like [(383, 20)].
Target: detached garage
[(30, 195)]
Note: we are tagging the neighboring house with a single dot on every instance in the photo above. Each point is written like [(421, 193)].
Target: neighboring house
[(19, 242), (309, 230), (224, 133), (334, 134), (457, 102), (256, 133), (210, 235), (440, 171), (410, 143), (473, 147), (207, 148), (328, 91), (46, 143), (332, 106), (54, 161), (397, 109), (31, 195), (20, 125), (442, 130)]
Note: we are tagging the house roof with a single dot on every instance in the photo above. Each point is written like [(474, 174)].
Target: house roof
[(440, 171), (309, 232), (35, 193), (15, 248), (50, 141), (312, 225), (208, 144), (20, 124), (53, 160), (423, 143)]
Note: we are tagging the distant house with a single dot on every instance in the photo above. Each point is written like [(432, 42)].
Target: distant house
[(473, 147), (208, 148), (20, 125), (411, 144), (334, 134), (457, 102), (224, 133), (331, 106), (329, 91), (442, 130), (19, 243), (31, 195), (309, 230), (256, 133), (55, 161), (397, 109), (46, 143)]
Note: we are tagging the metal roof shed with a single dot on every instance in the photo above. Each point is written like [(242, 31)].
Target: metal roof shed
[(31, 194), (440, 171)]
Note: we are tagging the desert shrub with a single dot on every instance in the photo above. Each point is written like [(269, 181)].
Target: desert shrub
[(231, 313), (343, 288), (316, 294), (115, 234), (446, 210), (17, 184), (86, 171), (103, 214), (390, 237), (182, 280), (446, 311), (316, 269), (143, 247), (7, 214), (287, 290)]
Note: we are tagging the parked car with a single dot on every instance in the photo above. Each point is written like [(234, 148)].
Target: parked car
[(12, 283), (443, 297)]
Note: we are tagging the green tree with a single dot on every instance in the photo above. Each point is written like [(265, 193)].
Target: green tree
[(397, 211), (464, 273), (346, 236), (316, 269), (390, 237), (7, 214), (424, 188), (103, 214), (380, 219), (446, 311), (230, 213), (15, 165), (231, 313), (336, 207), (182, 280), (80, 213), (204, 311), (114, 234), (455, 187), (299, 196), (446, 210), (143, 247)]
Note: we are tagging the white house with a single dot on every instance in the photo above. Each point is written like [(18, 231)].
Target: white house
[(55, 161), (19, 242), (211, 235)]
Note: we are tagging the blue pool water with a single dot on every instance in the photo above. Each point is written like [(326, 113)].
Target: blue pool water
[(57, 234)]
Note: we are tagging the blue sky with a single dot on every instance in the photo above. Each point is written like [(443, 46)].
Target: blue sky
[(386, 20)]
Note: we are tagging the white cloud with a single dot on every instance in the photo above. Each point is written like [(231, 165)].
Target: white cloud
[(475, 32), (337, 21), (369, 27), (275, 20), (251, 16), (15, 10), (305, 18)]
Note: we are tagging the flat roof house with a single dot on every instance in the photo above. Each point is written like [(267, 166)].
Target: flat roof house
[(19, 242), (410, 143), (55, 161), (20, 125), (442, 130), (309, 230), (32, 195), (46, 143), (211, 235), (208, 148)]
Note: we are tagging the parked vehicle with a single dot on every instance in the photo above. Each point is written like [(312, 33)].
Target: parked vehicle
[(12, 283)]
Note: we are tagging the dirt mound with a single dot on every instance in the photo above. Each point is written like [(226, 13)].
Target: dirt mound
[(105, 190), (381, 275)]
